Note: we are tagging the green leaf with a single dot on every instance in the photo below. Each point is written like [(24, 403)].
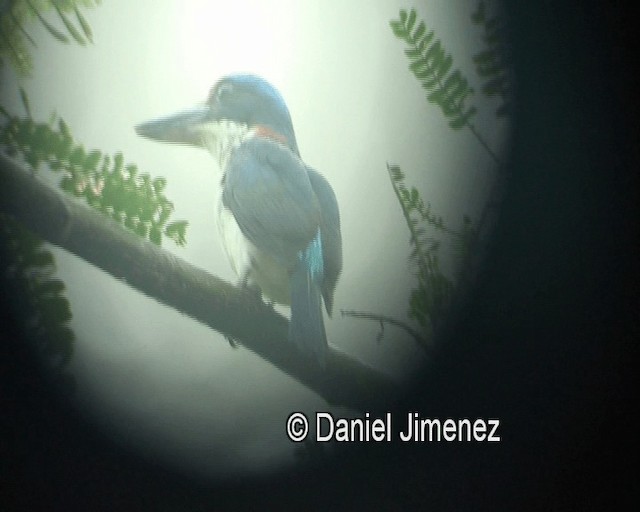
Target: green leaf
[(396, 173), (462, 119), (413, 53), (66, 184), (176, 231), (77, 155), (143, 229), (86, 28), (436, 96), (425, 76), (92, 160), (411, 20), (159, 184), (55, 309), (419, 31), (40, 259), (454, 85), (155, 235), (421, 67), (70, 27), (445, 65), (118, 161), (435, 53), (398, 29), (25, 102), (132, 171), (423, 43), (53, 31), (479, 15), (49, 287)]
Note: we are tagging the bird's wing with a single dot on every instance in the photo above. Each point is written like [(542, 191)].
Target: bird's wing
[(267, 189), (331, 236)]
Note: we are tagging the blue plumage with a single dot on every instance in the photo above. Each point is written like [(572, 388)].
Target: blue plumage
[(312, 258), (278, 218)]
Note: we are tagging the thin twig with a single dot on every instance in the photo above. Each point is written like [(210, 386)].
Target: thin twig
[(417, 336), (412, 229)]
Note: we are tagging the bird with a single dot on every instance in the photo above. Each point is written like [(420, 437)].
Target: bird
[(278, 218)]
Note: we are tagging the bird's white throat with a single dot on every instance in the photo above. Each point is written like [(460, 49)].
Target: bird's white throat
[(222, 137)]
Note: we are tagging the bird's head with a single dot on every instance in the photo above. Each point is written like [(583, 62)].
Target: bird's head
[(236, 104)]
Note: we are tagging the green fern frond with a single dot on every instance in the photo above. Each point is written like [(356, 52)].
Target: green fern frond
[(17, 15), (492, 63), (86, 28), (434, 289), (57, 34), (75, 33), (25, 102), (428, 301), (37, 297), (431, 65), (105, 183)]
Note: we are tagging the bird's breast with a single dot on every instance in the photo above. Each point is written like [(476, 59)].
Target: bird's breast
[(250, 263)]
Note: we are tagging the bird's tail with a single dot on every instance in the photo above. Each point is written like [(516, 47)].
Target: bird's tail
[(306, 328)]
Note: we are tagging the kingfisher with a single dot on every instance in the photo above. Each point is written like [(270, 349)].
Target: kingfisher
[(278, 218)]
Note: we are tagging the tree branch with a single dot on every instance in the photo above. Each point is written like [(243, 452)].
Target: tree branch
[(232, 311)]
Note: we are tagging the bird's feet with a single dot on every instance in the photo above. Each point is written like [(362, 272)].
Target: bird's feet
[(255, 290), (250, 287)]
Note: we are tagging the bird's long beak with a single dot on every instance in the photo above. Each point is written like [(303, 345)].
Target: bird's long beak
[(180, 128)]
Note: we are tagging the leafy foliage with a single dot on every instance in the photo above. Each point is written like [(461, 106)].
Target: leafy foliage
[(28, 268), (15, 41), (428, 301), (431, 65), (105, 182), (449, 89), (492, 63), (36, 296)]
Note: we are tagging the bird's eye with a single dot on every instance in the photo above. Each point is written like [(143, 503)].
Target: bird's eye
[(223, 90)]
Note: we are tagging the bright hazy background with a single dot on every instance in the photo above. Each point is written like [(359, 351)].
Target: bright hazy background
[(158, 380)]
